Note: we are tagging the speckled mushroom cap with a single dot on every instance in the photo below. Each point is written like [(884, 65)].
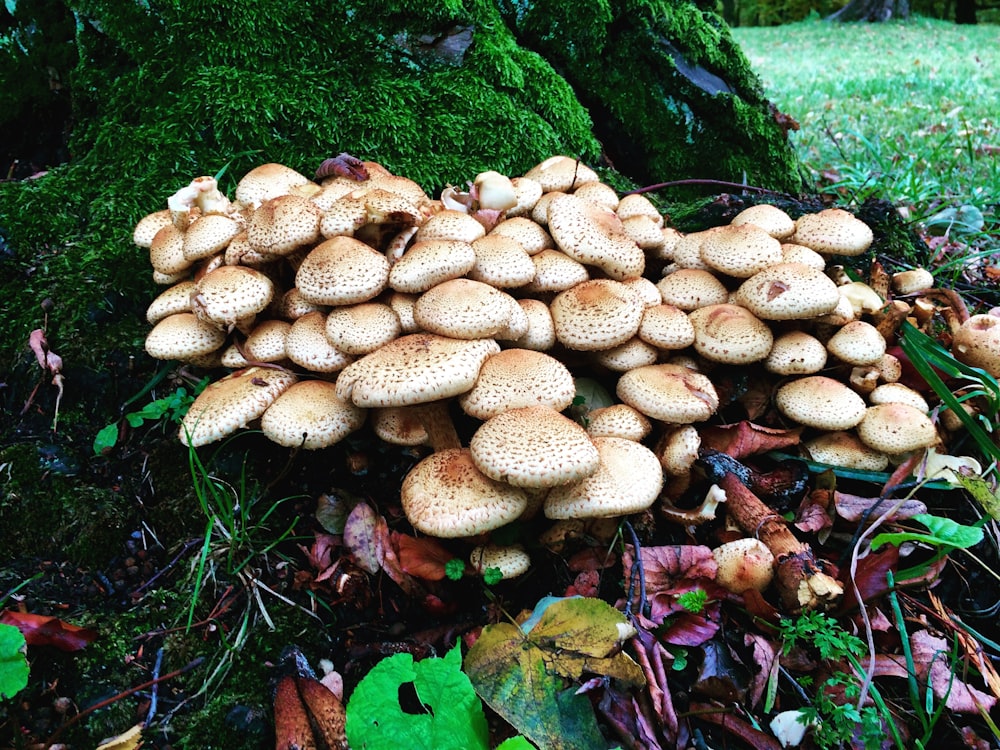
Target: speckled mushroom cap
[(594, 236), (691, 288), (266, 342), (514, 378), (561, 173), (788, 291), (842, 448), (596, 314), (166, 251), (148, 226), (744, 564), (896, 428), (599, 193), (450, 224), (677, 449), (431, 262), (627, 356), (344, 216), (792, 253), (541, 333), (555, 272), (888, 393), (342, 271), (857, 343), (740, 250), (510, 560), (446, 496), (282, 224), (977, 343), (533, 446), (833, 231), (730, 334), (398, 425), (174, 299), (309, 415), (628, 479), (531, 236), (362, 328), (463, 309), (501, 262), (307, 345), (527, 192), (768, 217), (820, 402), (291, 305), (618, 420), (208, 235), (230, 294), (669, 392), (415, 369), (796, 353), (666, 327), (402, 304), (643, 231), (686, 252), (230, 404), (914, 280), (645, 290), (182, 336), (267, 181)]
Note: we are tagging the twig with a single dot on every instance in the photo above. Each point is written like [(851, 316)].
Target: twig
[(155, 692), (124, 694), (637, 569), (708, 183)]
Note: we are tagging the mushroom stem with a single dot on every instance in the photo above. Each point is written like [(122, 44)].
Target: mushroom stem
[(441, 433), (802, 584)]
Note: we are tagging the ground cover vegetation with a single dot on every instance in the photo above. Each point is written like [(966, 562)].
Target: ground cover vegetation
[(212, 590)]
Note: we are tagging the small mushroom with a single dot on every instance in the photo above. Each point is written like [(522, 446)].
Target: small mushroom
[(744, 564), (510, 560)]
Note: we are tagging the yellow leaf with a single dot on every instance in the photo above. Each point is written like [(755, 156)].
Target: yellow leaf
[(130, 740)]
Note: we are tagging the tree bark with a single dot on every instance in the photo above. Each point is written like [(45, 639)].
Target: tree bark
[(872, 11)]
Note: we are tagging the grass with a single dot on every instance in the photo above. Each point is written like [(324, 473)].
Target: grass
[(903, 111)]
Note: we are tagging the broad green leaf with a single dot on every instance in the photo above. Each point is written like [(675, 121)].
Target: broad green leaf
[(13, 664), (446, 714), (523, 672), (944, 532), (515, 743), (106, 439), (980, 490)]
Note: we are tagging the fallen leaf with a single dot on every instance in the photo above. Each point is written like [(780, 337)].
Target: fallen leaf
[(744, 438), (43, 630), (423, 558), (129, 740), (361, 537), (854, 508)]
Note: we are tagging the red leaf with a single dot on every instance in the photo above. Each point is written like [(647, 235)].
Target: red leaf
[(744, 438), (41, 630), (423, 558), (363, 538)]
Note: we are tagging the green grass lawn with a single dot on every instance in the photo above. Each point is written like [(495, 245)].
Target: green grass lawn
[(906, 111)]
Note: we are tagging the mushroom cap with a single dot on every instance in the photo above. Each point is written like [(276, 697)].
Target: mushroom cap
[(820, 402), (431, 262), (207, 235), (596, 314), (232, 293), (863, 298), (530, 235), (501, 262), (342, 271), (446, 496), (796, 353), (841, 448), (463, 309), (768, 217), (399, 425), (636, 204), (645, 290), (618, 420), (740, 250), (415, 369), (833, 231), (450, 224), (362, 328), (857, 343), (148, 226), (541, 333), (283, 224), (267, 181), (561, 173), (643, 231), (977, 343), (174, 299), (889, 393), (166, 251), (555, 272), (533, 446), (309, 415), (788, 291), (628, 479), (730, 334), (792, 253), (231, 403), (594, 236), (691, 288), (292, 305), (669, 392), (514, 378), (896, 428), (678, 448), (914, 280), (402, 304), (744, 564), (598, 192), (266, 342), (627, 356), (511, 561), (182, 336), (307, 345)]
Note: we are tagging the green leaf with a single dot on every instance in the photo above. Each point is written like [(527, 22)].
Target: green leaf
[(492, 576), (106, 439), (455, 569), (515, 743), (980, 490), (446, 714), (13, 664), (944, 532)]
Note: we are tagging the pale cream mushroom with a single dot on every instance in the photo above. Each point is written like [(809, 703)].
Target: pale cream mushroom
[(359, 329), (596, 314), (527, 192), (511, 560), (268, 181), (691, 288), (896, 428), (450, 225), (669, 392), (541, 333), (821, 402), (342, 271), (889, 393), (744, 564), (796, 353), (845, 449), (857, 343), (532, 237), (283, 224), (599, 193), (555, 272), (561, 173), (617, 420), (788, 291), (266, 342), (740, 250), (501, 262), (912, 281), (627, 356), (594, 236), (166, 252), (977, 343), (730, 334), (310, 415), (464, 309), (307, 345), (182, 336), (514, 378), (175, 299), (431, 262), (768, 217), (833, 231), (230, 295), (208, 235), (666, 327), (148, 226)]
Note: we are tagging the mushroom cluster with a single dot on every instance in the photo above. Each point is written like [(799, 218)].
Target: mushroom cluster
[(359, 297)]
